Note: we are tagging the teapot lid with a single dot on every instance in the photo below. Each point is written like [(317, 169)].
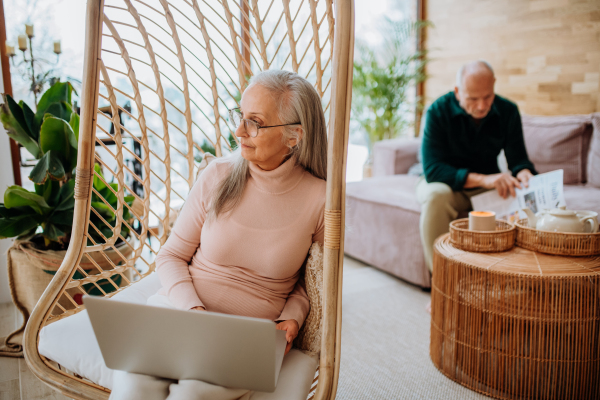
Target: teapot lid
[(562, 211)]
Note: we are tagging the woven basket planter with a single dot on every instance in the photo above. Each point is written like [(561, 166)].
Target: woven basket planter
[(502, 239), (557, 243), (30, 270)]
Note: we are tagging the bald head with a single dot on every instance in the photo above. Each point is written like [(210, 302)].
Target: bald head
[(480, 69), (475, 88)]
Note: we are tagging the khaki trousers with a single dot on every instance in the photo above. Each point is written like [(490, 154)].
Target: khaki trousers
[(440, 205)]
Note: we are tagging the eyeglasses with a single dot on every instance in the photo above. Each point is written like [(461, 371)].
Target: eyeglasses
[(251, 127)]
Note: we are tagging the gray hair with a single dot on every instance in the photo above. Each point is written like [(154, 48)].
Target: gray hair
[(297, 100), (471, 66)]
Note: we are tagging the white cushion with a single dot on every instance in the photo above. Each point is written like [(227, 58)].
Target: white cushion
[(71, 343)]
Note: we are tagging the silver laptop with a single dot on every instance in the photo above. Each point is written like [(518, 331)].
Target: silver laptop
[(226, 350)]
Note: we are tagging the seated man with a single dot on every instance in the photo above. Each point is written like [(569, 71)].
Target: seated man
[(464, 134)]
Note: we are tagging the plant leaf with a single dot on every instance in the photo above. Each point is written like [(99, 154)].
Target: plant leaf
[(62, 218), (11, 227), (30, 120), (67, 201), (74, 122), (50, 165), (104, 210), (15, 211), (5, 212), (51, 232), (207, 147), (16, 131), (59, 92), (17, 112), (50, 190), (60, 110), (98, 183), (16, 196), (56, 134), (109, 196)]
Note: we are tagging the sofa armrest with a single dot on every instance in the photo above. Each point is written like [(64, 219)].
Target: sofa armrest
[(395, 156)]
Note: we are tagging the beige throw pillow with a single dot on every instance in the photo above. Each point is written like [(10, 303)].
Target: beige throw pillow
[(309, 337)]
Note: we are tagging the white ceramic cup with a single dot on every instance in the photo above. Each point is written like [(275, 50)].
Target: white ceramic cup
[(482, 221)]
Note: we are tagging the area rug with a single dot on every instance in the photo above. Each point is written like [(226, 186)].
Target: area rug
[(385, 341)]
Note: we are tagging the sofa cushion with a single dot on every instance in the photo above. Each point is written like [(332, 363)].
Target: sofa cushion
[(593, 172), (582, 197), (560, 142), (395, 156), (393, 190)]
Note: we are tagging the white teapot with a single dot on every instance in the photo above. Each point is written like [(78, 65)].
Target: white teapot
[(562, 220)]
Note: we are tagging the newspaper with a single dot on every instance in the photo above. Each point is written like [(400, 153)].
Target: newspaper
[(545, 191)]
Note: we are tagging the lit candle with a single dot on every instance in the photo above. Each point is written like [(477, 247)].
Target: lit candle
[(29, 30), (22, 42), (482, 221), (10, 50), (57, 47)]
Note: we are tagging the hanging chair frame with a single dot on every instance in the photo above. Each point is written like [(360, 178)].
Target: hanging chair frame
[(338, 126)]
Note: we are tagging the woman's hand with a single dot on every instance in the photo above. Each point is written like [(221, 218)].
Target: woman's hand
[(291, 327), (198, 308)]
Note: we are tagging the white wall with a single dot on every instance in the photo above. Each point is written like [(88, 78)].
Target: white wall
[(6, 179)]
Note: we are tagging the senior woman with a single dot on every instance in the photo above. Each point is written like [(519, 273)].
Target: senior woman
[(247, 226)]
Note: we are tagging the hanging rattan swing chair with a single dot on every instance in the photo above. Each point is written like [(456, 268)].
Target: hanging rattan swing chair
[(158, 78)]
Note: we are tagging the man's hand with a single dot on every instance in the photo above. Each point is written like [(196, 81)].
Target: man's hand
[(503, 182), (198, 308), (291, 327), (523, 176)]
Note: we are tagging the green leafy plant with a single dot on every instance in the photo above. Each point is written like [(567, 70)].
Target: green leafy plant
[(50, 207), (45, 216), (383, 80), (50, 135), (108, 193)]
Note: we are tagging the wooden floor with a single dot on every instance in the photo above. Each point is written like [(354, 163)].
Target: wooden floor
[(16, 380)]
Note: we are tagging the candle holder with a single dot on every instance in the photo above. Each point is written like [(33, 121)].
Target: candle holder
[(25, 42)]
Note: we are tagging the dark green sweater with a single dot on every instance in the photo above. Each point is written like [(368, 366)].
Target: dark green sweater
[(453, 145)]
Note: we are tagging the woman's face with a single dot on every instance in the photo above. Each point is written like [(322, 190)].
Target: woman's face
[(267, 150)]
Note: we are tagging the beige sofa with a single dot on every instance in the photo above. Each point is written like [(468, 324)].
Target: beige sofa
[(382, 213)]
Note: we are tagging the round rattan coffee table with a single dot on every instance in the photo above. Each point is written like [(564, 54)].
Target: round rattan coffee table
[(517, 324)]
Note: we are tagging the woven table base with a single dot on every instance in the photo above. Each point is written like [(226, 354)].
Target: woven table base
[(517, 324)]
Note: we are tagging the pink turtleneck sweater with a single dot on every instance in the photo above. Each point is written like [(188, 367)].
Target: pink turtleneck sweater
[(247, 261)]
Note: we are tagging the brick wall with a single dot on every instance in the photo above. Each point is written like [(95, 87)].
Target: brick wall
[(546, 53)]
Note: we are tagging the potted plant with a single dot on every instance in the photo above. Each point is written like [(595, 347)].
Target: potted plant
[(382, 83), (41, 220)]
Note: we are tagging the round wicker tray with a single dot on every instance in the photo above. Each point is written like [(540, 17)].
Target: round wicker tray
[(558, 243), (502, 239)]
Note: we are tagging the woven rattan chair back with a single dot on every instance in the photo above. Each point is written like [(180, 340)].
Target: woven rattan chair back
[(159, 76)]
